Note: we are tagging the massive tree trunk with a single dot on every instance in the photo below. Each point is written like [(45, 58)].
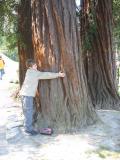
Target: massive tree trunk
[(96, 29), (65, 102)]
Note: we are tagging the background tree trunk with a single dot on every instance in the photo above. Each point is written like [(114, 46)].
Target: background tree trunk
[(96, 30), (25, 49)]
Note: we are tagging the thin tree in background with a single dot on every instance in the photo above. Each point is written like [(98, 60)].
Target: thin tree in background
[(25, 49)]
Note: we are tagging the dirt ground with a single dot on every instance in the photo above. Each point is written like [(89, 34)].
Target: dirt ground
[(97, 142)]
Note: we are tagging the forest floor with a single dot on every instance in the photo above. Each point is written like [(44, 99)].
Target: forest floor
[(100, 141), (97, 142)]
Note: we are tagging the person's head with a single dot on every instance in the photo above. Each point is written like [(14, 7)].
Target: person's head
[(30, 63)]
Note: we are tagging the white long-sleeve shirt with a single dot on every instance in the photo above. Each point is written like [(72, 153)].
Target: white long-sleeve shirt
[(32, 77)]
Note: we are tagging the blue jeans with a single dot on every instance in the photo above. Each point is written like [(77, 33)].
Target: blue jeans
[(1, 73), (28, 111)]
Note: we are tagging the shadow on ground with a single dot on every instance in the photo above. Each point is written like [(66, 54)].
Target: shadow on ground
[(97, 142)]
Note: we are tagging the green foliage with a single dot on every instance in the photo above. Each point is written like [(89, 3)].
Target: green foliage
[(8, 16), (12, 54), (116, 21), (91, 28), (10, 51), (116, 15), (8, 25), (87, 42)]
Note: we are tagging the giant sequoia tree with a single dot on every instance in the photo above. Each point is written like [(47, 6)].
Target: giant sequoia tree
[(99, 59), (65, 103)]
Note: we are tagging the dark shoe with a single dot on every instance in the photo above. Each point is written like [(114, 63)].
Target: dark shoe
[(33, 133)]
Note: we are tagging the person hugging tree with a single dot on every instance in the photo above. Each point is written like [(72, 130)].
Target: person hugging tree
[(28, 91)]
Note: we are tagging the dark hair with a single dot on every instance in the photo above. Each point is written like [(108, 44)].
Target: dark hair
[(30, 63)]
